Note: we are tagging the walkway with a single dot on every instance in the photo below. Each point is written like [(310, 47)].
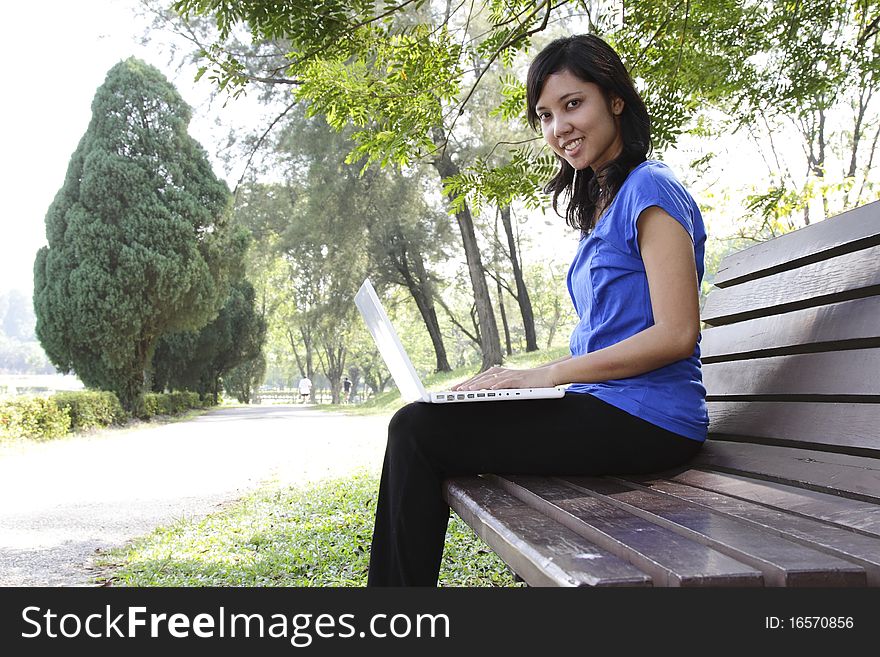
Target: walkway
[(61, 501)]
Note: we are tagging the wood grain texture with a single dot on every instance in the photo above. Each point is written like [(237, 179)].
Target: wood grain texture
[(838, 474), (537, 548), (826, 328), (840, 426), (852, 515), (828, 281), (836, 375), (846, 231), (782, 561), (814, 533), (670, 559)]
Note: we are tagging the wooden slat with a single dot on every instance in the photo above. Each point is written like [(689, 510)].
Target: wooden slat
[(855, 426), (844, 543), (670, 559), (836, 376), (848, 324), (838, 279), (838, 474), (538, 549), (853, 515), (782, 561), (846, 231)]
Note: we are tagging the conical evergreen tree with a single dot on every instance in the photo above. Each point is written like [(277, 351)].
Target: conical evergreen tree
[(138, 241)]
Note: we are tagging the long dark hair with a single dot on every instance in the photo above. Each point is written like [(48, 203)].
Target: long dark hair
[(591, 59)]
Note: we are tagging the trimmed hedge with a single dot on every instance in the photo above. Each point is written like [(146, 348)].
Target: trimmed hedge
[(41, 418), (91, 409), (170, 403), (33, 417)]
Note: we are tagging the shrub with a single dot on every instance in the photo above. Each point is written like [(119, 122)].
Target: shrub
[(170, 403), (33, 417), (183, 400), (91, 409)]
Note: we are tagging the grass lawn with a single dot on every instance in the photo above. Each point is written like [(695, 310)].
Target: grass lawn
[(311, 536)]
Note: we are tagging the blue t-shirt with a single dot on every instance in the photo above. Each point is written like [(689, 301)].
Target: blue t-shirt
[(609, 288)]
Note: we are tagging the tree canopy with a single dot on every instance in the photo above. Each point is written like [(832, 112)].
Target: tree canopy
[(442, 82), (397, 71)]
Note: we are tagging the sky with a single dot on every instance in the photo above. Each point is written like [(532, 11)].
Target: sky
[(54, 63)]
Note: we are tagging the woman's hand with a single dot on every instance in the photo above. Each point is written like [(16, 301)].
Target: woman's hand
[(502, 377)]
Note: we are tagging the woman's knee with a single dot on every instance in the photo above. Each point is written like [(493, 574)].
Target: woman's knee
[(407, 418), (409, 426)]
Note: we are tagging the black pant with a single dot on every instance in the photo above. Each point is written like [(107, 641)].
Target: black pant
[(575, 435)]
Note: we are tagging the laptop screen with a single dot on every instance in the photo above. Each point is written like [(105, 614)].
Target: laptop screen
[(389, 345)]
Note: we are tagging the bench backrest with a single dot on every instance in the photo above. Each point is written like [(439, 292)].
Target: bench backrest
[(791, 355)]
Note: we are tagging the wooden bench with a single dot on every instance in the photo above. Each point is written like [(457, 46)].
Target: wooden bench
[(786, 491)]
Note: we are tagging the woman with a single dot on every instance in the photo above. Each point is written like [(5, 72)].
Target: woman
[(636, 402)]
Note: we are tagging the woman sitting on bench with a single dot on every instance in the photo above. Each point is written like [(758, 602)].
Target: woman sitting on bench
[(636, 403)]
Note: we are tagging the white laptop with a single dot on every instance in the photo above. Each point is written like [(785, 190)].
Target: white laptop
[(403, 372)]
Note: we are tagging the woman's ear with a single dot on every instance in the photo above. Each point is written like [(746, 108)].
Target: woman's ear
[(616, 105)]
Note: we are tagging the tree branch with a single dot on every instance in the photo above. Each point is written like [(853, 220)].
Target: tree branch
[(452, 318), (507, 44), (260, 143), (870, 162), (499, 281)]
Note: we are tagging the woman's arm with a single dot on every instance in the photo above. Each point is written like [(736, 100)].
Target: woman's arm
[(484, 380), (668, 254), (554, 362)]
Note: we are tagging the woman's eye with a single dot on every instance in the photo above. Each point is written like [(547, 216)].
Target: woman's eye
[(574, 103), (543, 116)]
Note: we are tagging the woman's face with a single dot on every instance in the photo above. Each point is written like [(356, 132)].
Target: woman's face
[(577, 121)]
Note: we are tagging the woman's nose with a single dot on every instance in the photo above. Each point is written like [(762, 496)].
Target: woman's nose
[(561, 127)]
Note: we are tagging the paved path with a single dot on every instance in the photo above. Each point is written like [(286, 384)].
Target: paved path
[(62, 500)]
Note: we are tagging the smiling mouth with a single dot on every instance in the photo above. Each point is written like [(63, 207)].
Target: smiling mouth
[(570, 146)]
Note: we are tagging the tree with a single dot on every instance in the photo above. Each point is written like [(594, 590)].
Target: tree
[(816, 83), (404, 233), (138, 239), (243, 380), (16, 315), (199, 360), (550, 296), (384, 213)]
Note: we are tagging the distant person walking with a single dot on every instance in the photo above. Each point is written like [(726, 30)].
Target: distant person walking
[(305, 389), (346, 387)]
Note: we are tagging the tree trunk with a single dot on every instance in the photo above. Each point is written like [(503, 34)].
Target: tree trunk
[(333, 367), (408, 262), (354, 373), (306, 366), (130, 390), (503, 317), (490, 343), (310, 365), (522, 293), (420, 288)]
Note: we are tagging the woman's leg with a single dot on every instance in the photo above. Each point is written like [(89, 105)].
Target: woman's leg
[(575, 435)]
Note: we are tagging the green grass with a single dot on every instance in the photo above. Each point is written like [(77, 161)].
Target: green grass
[(310, 536), (390, 401)]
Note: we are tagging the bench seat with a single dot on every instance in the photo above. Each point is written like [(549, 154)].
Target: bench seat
[(786, 491)]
